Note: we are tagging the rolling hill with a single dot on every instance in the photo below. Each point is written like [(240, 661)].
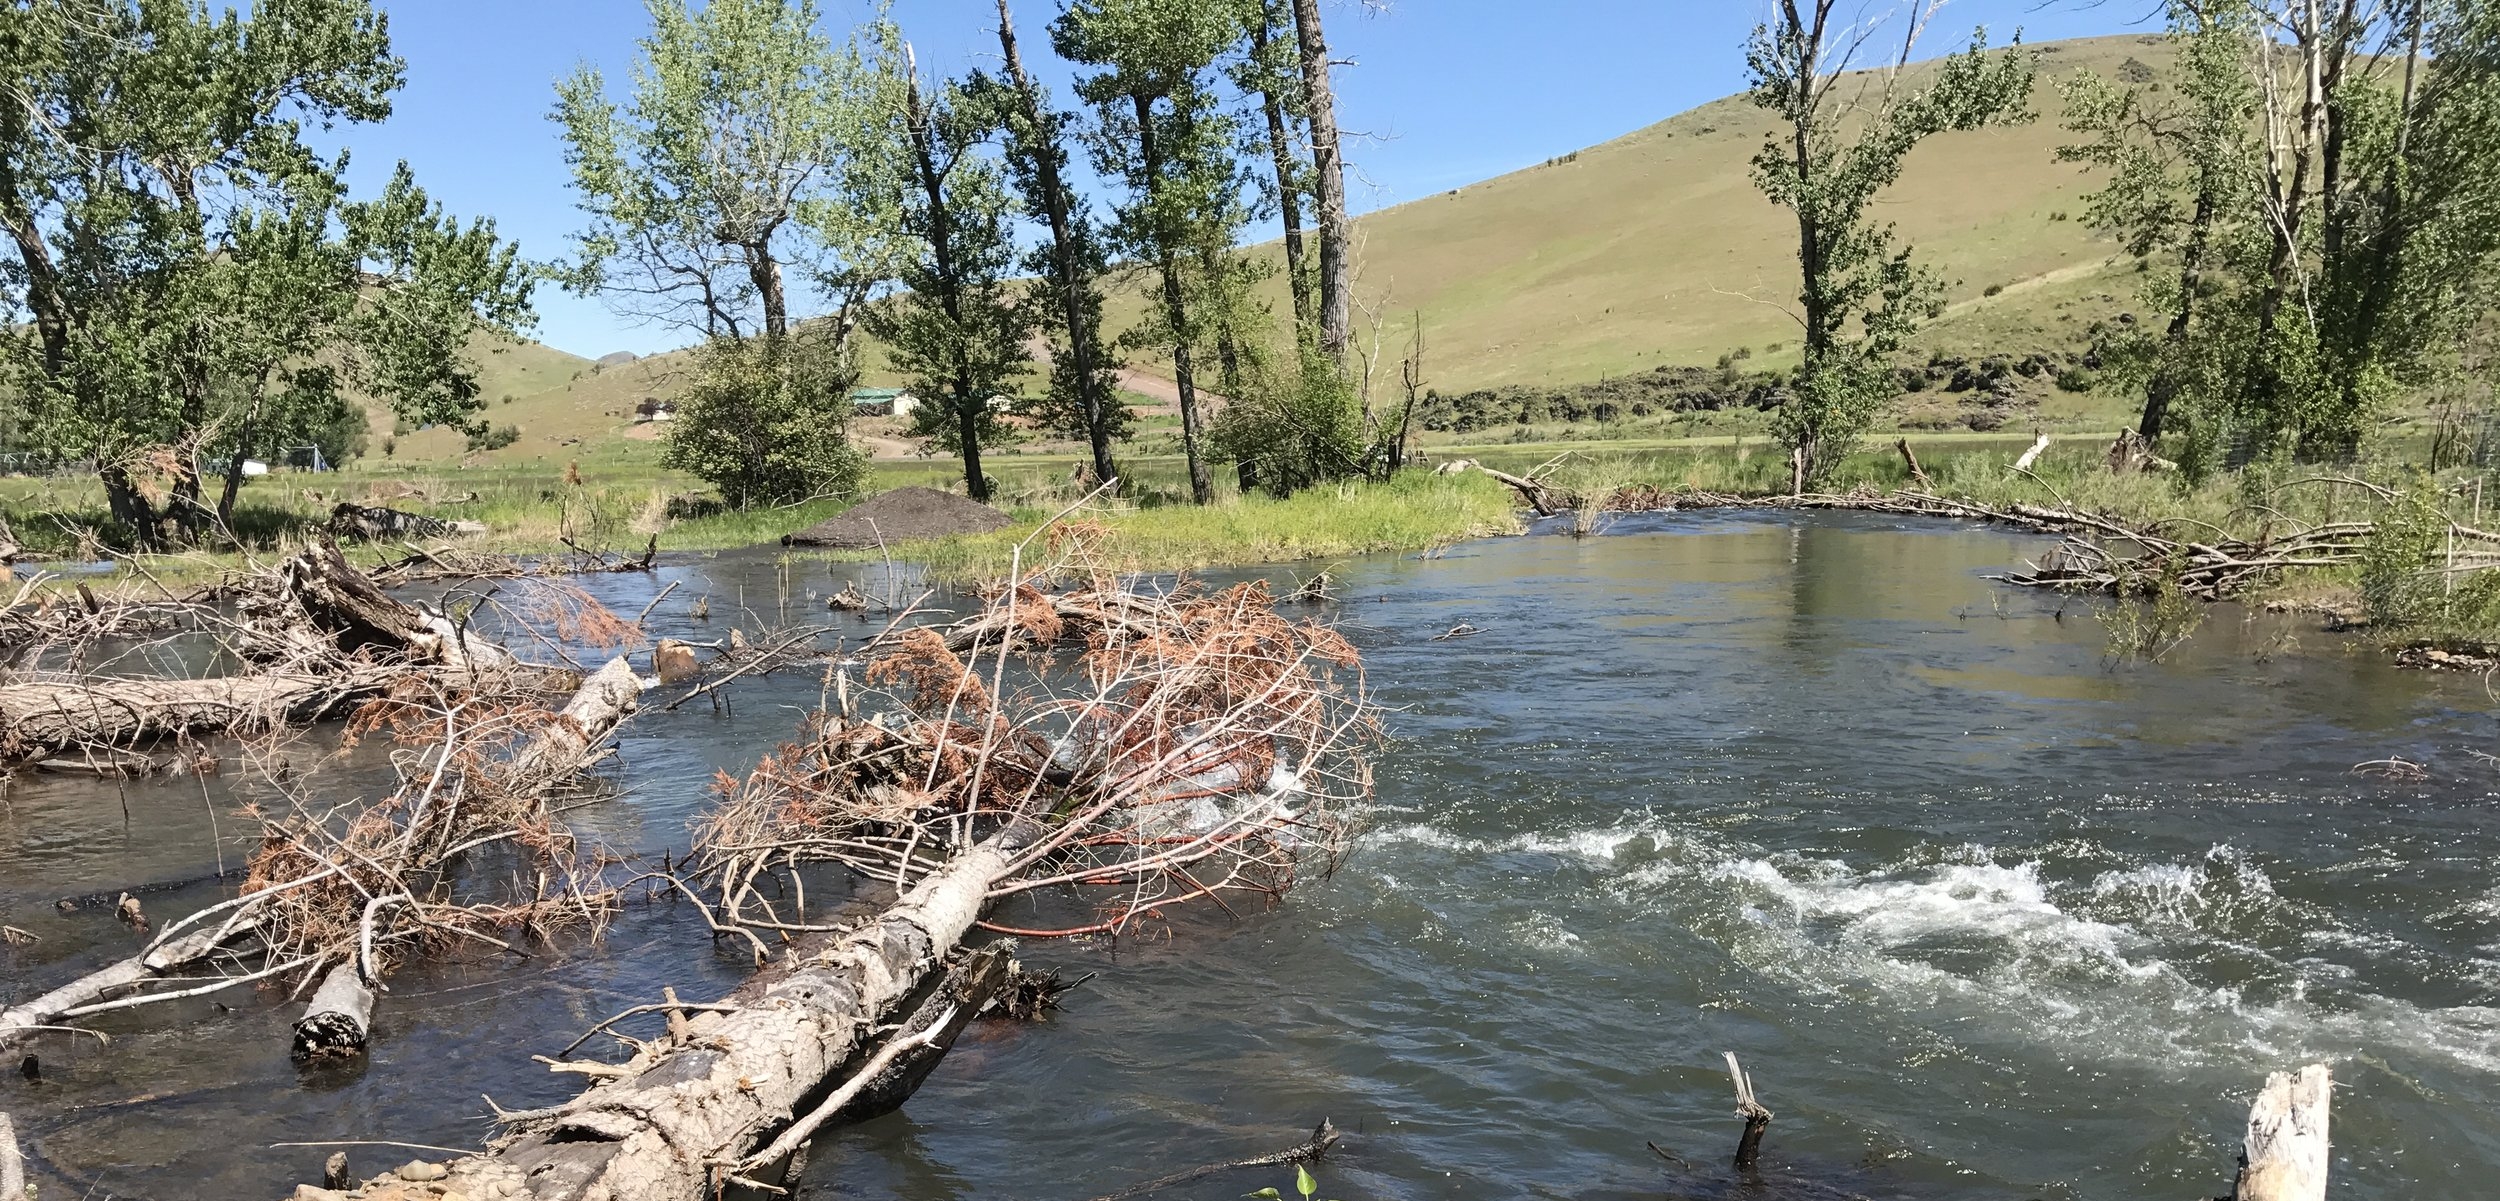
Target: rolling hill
[(1653, 249)]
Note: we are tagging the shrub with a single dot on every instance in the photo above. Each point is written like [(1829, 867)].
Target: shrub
[(2397, 588), (766, 420), (495, 438), (1992, 290)]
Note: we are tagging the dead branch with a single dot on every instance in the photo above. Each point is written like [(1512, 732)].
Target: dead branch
[(1323, 1138), (364, 890), (12, 1164)]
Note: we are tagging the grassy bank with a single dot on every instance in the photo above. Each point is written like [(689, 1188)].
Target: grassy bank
[(1416, 511)]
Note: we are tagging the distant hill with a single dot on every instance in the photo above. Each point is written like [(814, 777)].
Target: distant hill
[(1653, 249), (1656, 248)]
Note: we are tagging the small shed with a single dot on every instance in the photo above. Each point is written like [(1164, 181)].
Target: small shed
[(882, 402), (653, 408)]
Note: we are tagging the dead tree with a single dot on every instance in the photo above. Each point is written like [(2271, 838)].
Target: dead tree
[(1158, 750), (361, 890), (108, 718), (12, 1165), (2285, 1155), (1757, 1117)]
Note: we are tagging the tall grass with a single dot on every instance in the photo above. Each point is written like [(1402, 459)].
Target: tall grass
[(1416, 511)]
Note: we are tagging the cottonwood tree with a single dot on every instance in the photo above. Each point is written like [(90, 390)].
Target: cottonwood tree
[(1840, 142), (197, 281), (1336, 231), (1168, 139), (734, 164), (2408, 205), (719, 173), (955, 328), (2180, 170), (1083, 397), (1272, 72), (2321, 175)]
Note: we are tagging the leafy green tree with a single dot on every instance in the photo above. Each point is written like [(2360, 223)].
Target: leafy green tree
[(1840, 142), (2322, 177), (724, 167), (758, 420), (1083, 398), (1168, 139), (956, 328), (2180, 165), (198, 284)]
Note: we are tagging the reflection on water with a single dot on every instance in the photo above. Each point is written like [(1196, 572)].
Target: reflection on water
[(1985, 917)]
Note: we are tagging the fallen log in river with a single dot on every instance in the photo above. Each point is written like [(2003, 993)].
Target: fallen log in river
[(1162, 750), (319, 895)]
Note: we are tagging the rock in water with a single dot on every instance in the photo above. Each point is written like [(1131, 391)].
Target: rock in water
[(901, 515)]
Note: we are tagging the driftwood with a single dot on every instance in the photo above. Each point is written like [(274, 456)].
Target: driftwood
[(1909, 458), (289, 870), (681, 1114), (39, 719), (2285, 1155), (1757, 1118), (321, 604), (2102, 554), (1310, 1150), (336, 1024), (932, 1027), (12, 1165), (2031, 456)]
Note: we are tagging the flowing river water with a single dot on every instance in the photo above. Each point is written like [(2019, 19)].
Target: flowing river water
[(1985, 916)]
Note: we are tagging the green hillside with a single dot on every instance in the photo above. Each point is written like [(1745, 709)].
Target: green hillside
[(1652, 249), (1655, 248)]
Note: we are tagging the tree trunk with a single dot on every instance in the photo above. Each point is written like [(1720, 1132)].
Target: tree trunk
[(2164, 386), (764, 271), (1176, 312), (1084, 332), (1288, 185), (336, 1024), (968, 405), (12, 1166), (2285, 1156), (43, 719), (131, 508), (339, 609), (682, 1107), (1336, 270), (234, 478)]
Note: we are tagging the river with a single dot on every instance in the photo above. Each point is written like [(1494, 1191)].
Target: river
[(1986, 915)]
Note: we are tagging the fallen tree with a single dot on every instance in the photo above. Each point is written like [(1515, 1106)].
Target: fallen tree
[(1156, 751), (358, 889)]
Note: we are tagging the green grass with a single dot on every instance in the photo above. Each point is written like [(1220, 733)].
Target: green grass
[(1416, 511)]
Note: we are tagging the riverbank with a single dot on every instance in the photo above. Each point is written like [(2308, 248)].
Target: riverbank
[(2418, 589)]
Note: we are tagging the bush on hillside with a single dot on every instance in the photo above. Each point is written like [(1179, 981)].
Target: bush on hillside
[(495, 438)]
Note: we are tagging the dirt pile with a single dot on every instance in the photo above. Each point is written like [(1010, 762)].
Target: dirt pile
[(900, 516)]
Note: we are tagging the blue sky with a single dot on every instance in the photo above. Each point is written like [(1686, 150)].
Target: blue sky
[(1445, 92)]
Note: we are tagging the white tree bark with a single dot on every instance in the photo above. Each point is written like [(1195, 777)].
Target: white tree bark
[(339, 1021), (2285, 1157), (683, 1110), (12, 1167)]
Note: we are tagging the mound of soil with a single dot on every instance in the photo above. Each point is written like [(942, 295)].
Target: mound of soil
[(900, 516)]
